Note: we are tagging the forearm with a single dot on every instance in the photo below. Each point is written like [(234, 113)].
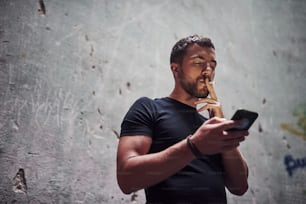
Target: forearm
[(141, 171), (236, 172)]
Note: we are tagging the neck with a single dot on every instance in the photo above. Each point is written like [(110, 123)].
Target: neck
[(183, 98)]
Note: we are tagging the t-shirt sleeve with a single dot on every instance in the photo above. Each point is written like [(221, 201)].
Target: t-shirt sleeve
[(139, 120)]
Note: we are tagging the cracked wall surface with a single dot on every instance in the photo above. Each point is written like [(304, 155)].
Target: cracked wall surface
[(69, 71)]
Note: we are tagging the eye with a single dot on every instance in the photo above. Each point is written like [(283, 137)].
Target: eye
[(199, 63), (203, 64)]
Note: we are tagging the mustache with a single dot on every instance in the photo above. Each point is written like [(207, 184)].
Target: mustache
[(203, 79)]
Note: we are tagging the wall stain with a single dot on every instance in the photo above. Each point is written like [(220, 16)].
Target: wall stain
[(134, 197), (286, 142), (86, 38), (260, 128), (42, 8), (128, 85), (19, 182), (299, 128), (116, 133), (91, 51)]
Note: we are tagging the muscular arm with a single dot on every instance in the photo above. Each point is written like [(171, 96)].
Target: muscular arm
[(236, 172), (226, 143), (136, 169)]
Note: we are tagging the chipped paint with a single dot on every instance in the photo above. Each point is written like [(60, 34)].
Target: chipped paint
[(42, 8), (299, 127)]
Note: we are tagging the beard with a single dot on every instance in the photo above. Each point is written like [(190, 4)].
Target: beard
[(194, 88)]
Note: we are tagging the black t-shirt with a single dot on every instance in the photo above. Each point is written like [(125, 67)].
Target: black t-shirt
[(167, 122)]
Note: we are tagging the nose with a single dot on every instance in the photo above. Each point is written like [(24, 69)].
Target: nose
[(207, 70)]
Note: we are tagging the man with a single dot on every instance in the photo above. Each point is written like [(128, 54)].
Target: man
[(177, 155)]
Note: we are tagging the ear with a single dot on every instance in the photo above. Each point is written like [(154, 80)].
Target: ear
[(174, 67)]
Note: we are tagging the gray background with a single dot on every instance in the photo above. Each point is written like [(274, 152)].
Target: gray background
[(68, 77)]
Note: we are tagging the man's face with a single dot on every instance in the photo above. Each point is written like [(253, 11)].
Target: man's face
[(199, 63)]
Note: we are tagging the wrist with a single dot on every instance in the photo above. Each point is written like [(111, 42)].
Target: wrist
[(230, 154), (195, 151)]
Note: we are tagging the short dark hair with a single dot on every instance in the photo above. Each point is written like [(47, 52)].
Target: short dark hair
[(179, 49)]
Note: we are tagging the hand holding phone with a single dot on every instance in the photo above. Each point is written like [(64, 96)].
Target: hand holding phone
[(247, 117)]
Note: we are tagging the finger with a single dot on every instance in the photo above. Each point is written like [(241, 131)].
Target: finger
[(215, 120), (203, 108), (233, 136), (208, 106), (210, 88), (231, 124), (236, 132), (234, 139), (205, 100), (239, 132)]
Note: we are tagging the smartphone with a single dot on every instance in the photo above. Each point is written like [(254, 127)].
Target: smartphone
[(248, 118)]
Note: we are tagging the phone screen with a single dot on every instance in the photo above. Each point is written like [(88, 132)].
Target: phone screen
[(247, 117)]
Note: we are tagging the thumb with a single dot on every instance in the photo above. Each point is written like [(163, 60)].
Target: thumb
[(215, 120), (231, 124)]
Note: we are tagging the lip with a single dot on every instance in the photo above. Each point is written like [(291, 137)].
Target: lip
[(202, 84), (209, 80), (202, 80)]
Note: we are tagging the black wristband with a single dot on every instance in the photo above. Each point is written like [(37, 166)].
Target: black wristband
[(193, 148)]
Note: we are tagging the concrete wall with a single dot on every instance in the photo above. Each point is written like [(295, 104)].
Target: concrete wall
[(68, 77)]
